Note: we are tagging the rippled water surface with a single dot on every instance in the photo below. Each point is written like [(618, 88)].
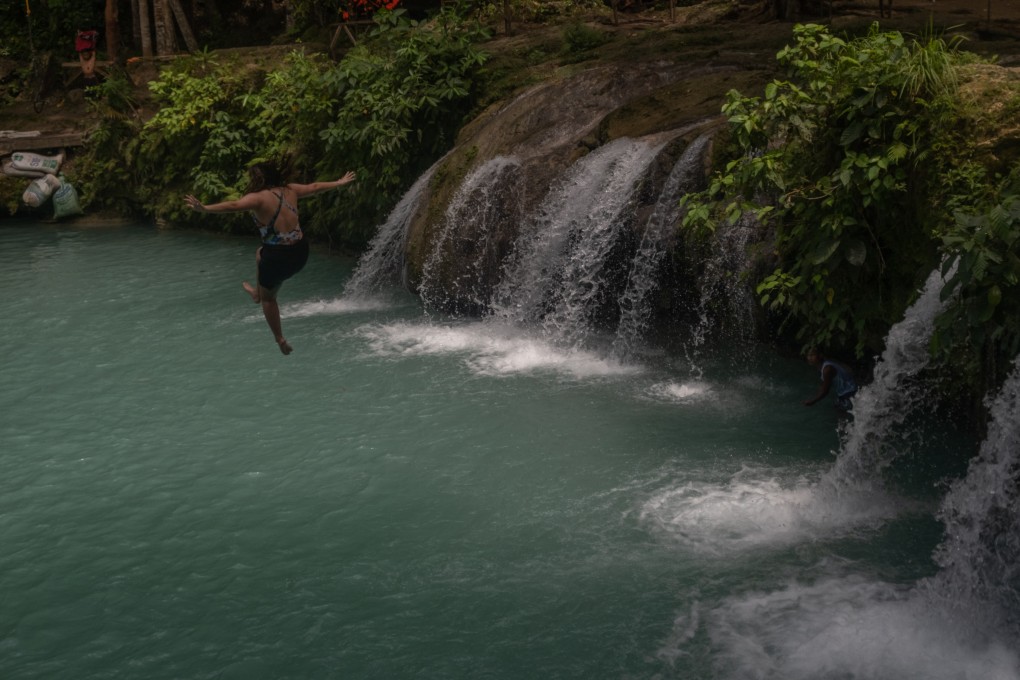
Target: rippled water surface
[(408, 496)]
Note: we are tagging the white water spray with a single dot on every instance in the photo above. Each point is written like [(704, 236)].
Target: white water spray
[(475, 214), (383, 261), (883, 405), (726, 302), (556, 277), (980, 556), (634, 306)]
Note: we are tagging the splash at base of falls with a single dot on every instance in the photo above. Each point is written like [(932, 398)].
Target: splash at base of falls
[(848, 627), (980, 557), (759, 508), (882, 406)]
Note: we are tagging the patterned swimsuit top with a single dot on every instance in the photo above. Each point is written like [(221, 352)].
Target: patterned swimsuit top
[(268, 230)]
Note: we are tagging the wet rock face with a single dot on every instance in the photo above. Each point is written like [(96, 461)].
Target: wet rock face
[(544, 130)]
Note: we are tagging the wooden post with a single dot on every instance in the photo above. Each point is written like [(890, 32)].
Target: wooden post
[(672, 11), (112, 30)]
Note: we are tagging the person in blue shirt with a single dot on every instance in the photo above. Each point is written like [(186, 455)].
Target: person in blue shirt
[(835, 375)]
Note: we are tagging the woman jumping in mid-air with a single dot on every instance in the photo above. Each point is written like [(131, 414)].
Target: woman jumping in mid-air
[(273, 200)]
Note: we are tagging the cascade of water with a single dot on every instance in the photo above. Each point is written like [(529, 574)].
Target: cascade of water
[(555, 277), (634, 307), (725, 301), (486, 199), (980, 556), (885, 403), (382, 262)]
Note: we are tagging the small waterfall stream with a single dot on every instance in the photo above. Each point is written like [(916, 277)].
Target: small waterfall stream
[(483, 202), (980, 556), (883, 405), (726, 301), (556, 277), (634, 303), (382, 262)]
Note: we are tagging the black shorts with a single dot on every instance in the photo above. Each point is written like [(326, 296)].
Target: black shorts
[(280, 262)]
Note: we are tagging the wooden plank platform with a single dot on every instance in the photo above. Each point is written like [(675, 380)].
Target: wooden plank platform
[(56, 140)]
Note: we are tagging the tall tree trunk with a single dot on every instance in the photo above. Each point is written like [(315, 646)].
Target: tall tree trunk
[(506, 16), (182, 23), (136, 27), (112, 29), (166, 43), (144, 27)]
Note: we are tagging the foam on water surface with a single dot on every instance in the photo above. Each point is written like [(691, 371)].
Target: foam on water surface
[(763, 509), (848, 627), (490, 349)]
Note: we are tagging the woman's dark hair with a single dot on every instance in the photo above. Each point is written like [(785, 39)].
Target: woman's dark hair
[(268, 174)]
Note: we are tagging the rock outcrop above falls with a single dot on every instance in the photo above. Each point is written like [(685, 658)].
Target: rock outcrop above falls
[(535, 136)]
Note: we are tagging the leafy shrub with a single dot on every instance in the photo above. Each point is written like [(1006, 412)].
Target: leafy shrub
[(402, 97), (104, 168), (387, 110), (983, 264), (579, 37), (51, 25), (829, 160)]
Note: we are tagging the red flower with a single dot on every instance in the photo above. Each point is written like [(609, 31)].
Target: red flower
[(358, 8)]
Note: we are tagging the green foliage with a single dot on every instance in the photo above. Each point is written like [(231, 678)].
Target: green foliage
[(11, 189), (983, 265), (106, 180), (579, 37), (386, 111), (827, 159), (403, 95), (51, 24), (198, 134)]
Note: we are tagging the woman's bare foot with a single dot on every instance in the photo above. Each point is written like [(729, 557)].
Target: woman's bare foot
[(251, 290), (284, 346)]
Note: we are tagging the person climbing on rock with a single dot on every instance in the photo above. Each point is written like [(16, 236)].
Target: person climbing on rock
[(834, 374), (272, 200)]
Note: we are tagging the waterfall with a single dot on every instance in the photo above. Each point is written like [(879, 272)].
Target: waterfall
[(885, 403), (383, 261), (487, 198), (725, 301), (555, 278), (980, 555), (635, 309)]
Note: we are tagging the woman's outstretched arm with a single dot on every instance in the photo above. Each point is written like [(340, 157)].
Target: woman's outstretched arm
[(246, 202), (303, 190)]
